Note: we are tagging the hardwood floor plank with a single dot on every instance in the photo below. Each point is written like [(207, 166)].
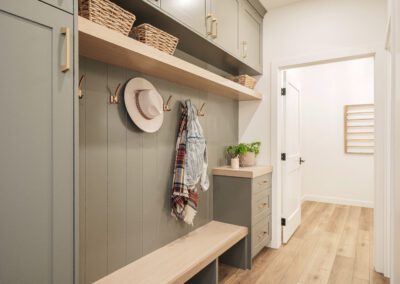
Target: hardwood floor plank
[(348, 241), (342, 270), (334, 244), (362, 260)]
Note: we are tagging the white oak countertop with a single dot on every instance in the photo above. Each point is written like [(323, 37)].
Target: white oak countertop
[(247, 172)]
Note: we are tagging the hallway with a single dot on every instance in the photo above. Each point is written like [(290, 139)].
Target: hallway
[(332, 245)]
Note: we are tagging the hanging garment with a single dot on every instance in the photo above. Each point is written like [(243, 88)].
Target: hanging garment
[(190, 166)]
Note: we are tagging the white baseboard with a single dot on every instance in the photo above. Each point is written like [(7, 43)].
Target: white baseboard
[(335, 200)]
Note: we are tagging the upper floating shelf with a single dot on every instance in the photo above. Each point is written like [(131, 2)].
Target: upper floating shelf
[(105, 45)]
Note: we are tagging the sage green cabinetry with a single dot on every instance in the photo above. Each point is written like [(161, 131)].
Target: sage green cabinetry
[(66, 5), (36, 153), (156, 3), (234, 26), (191, 13), (250, 35), (224, 28), (245, 202)]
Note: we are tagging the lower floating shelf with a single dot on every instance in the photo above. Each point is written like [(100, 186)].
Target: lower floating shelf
[(105, 45)]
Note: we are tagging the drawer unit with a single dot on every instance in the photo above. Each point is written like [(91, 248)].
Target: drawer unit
[(245, 201)]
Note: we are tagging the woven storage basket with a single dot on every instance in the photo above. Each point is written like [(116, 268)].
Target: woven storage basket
[(245, 80), (156, 38), (107, 14)]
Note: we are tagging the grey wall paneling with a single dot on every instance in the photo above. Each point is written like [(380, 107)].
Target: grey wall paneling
[(126, 175)]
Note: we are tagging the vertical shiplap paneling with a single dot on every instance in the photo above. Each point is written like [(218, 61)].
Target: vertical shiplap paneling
[(151, 192), (82, 176), (96, 170), (116, 172), (134, 189), (128, 174)]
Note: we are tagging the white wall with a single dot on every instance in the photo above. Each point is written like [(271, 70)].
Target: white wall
[(301, 29), (314, 27), (330, 175)]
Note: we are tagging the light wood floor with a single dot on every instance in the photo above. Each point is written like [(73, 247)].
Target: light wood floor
[(332, 245)]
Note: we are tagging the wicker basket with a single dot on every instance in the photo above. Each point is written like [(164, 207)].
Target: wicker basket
[(245, 80), (107, 14), (156, 38)]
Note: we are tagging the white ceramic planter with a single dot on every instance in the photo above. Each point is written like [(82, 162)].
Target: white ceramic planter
[(235, 163)]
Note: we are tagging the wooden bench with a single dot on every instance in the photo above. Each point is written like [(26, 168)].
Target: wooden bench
[(192, 258)]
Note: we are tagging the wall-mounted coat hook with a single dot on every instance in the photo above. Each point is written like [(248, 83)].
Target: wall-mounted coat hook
[(114, 99), (80, 94), (200, 111), (167, 107)]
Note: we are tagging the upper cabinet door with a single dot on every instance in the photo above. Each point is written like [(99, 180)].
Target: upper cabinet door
[(156, 3), (191, 13), (250, 35), (224, 28), (36, 153), (66, 5)]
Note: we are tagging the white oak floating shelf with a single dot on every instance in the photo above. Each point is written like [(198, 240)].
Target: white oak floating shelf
[(105, 45)]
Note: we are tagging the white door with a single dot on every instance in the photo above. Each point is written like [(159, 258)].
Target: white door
[(291, 158)]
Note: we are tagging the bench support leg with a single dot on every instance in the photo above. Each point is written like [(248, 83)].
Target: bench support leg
[(208, 275), (238, 255)]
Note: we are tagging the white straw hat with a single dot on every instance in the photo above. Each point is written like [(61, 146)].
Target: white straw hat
[(144, 104)]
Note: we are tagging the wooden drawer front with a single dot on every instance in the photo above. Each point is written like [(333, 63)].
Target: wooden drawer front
[(256, 249), (260, 232), (262, 182), (261, 235), (260, 207)]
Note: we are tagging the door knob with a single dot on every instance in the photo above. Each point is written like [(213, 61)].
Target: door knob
[(301, 161)]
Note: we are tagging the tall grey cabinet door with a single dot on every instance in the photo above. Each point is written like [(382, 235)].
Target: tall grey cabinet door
[(191, 13), (250, 29), (66, 5), (36, 153), (226, 29)]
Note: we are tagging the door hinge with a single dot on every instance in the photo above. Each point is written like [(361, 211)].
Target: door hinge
[(283, 156), (283, 91), (283, 222)]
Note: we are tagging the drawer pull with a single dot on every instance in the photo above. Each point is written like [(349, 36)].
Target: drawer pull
[(262, 205), (263, 182), (261, 235)]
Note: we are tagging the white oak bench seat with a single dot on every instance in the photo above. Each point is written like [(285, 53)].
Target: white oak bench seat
[(179, 261)]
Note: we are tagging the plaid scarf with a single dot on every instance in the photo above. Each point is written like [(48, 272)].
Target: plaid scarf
[(184, 200)]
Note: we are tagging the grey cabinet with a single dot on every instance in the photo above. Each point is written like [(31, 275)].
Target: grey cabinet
[(245, 202), (36, 153), (156, 3), (191, 13), (250, 35), (224, 29), (66, 5)]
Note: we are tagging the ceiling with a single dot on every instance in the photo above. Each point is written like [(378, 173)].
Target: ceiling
[(270, 4)]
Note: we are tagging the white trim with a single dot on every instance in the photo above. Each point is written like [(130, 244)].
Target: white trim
[(381, 190), (341, 201)]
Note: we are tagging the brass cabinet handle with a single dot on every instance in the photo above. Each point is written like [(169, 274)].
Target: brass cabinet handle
[(263, 182), (244, 55), (261, 235), (214, 24), (209, 27), (262, 205), (67, 33)]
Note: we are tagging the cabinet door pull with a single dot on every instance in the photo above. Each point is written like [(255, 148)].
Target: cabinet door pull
[(262, 205), (67, 33), (244, 49), (209, 26), (215, 25)]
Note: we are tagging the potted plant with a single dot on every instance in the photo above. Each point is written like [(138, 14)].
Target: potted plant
[(246, 152), (233, 152)]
